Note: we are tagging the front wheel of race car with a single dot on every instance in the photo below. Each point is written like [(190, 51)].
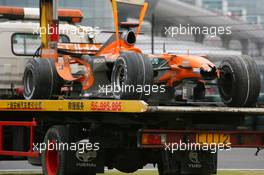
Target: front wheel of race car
[(132, 77), (239, 81)]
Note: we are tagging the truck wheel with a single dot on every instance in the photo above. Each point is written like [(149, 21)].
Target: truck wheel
[(127, 160), (132, 77), (40, 79), (54, 160), (239, 81)]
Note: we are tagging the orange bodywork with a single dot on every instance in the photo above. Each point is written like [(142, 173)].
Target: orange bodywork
[(180, 67), (79, 48), (184, 67), (111, 51)]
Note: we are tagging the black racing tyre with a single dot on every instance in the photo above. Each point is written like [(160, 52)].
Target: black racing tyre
[(131, 72), (54, 160), (239, 81), (41, 80), (255, 80)]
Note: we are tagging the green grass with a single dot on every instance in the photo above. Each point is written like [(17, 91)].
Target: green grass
[(156, 173)]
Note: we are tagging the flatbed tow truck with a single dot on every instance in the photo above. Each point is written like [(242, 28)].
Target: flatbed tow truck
[(137, 138), (84, 136)]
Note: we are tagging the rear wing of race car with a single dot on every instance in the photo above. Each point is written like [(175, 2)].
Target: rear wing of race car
[(144, 7)]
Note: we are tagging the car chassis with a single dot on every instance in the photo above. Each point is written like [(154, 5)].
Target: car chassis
[(119, 62)]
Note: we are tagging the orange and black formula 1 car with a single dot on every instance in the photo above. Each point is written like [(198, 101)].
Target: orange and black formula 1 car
[(117, 69)]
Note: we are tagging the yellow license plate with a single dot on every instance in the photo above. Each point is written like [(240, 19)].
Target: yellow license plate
[(209, 138)]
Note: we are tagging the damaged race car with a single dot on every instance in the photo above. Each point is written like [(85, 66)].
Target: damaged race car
[(116, 69)]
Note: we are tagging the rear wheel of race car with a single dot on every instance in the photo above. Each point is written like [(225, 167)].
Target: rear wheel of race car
[(239, 81), (132, 75), (40, 79)]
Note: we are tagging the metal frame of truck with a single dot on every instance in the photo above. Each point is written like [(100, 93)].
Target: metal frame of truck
[(146, 140)]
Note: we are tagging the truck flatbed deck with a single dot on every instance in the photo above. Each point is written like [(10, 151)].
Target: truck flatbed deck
[(116, 106), (145, 126)]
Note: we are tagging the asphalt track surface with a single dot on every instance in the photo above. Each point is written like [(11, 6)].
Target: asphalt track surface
[(236, 159)]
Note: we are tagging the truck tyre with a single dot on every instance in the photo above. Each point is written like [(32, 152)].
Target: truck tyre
[(58, 161), (239, 81), (54, 161), (131, 75), (40, 79)]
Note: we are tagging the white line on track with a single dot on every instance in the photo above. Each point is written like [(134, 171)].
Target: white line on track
[(240, 169)]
